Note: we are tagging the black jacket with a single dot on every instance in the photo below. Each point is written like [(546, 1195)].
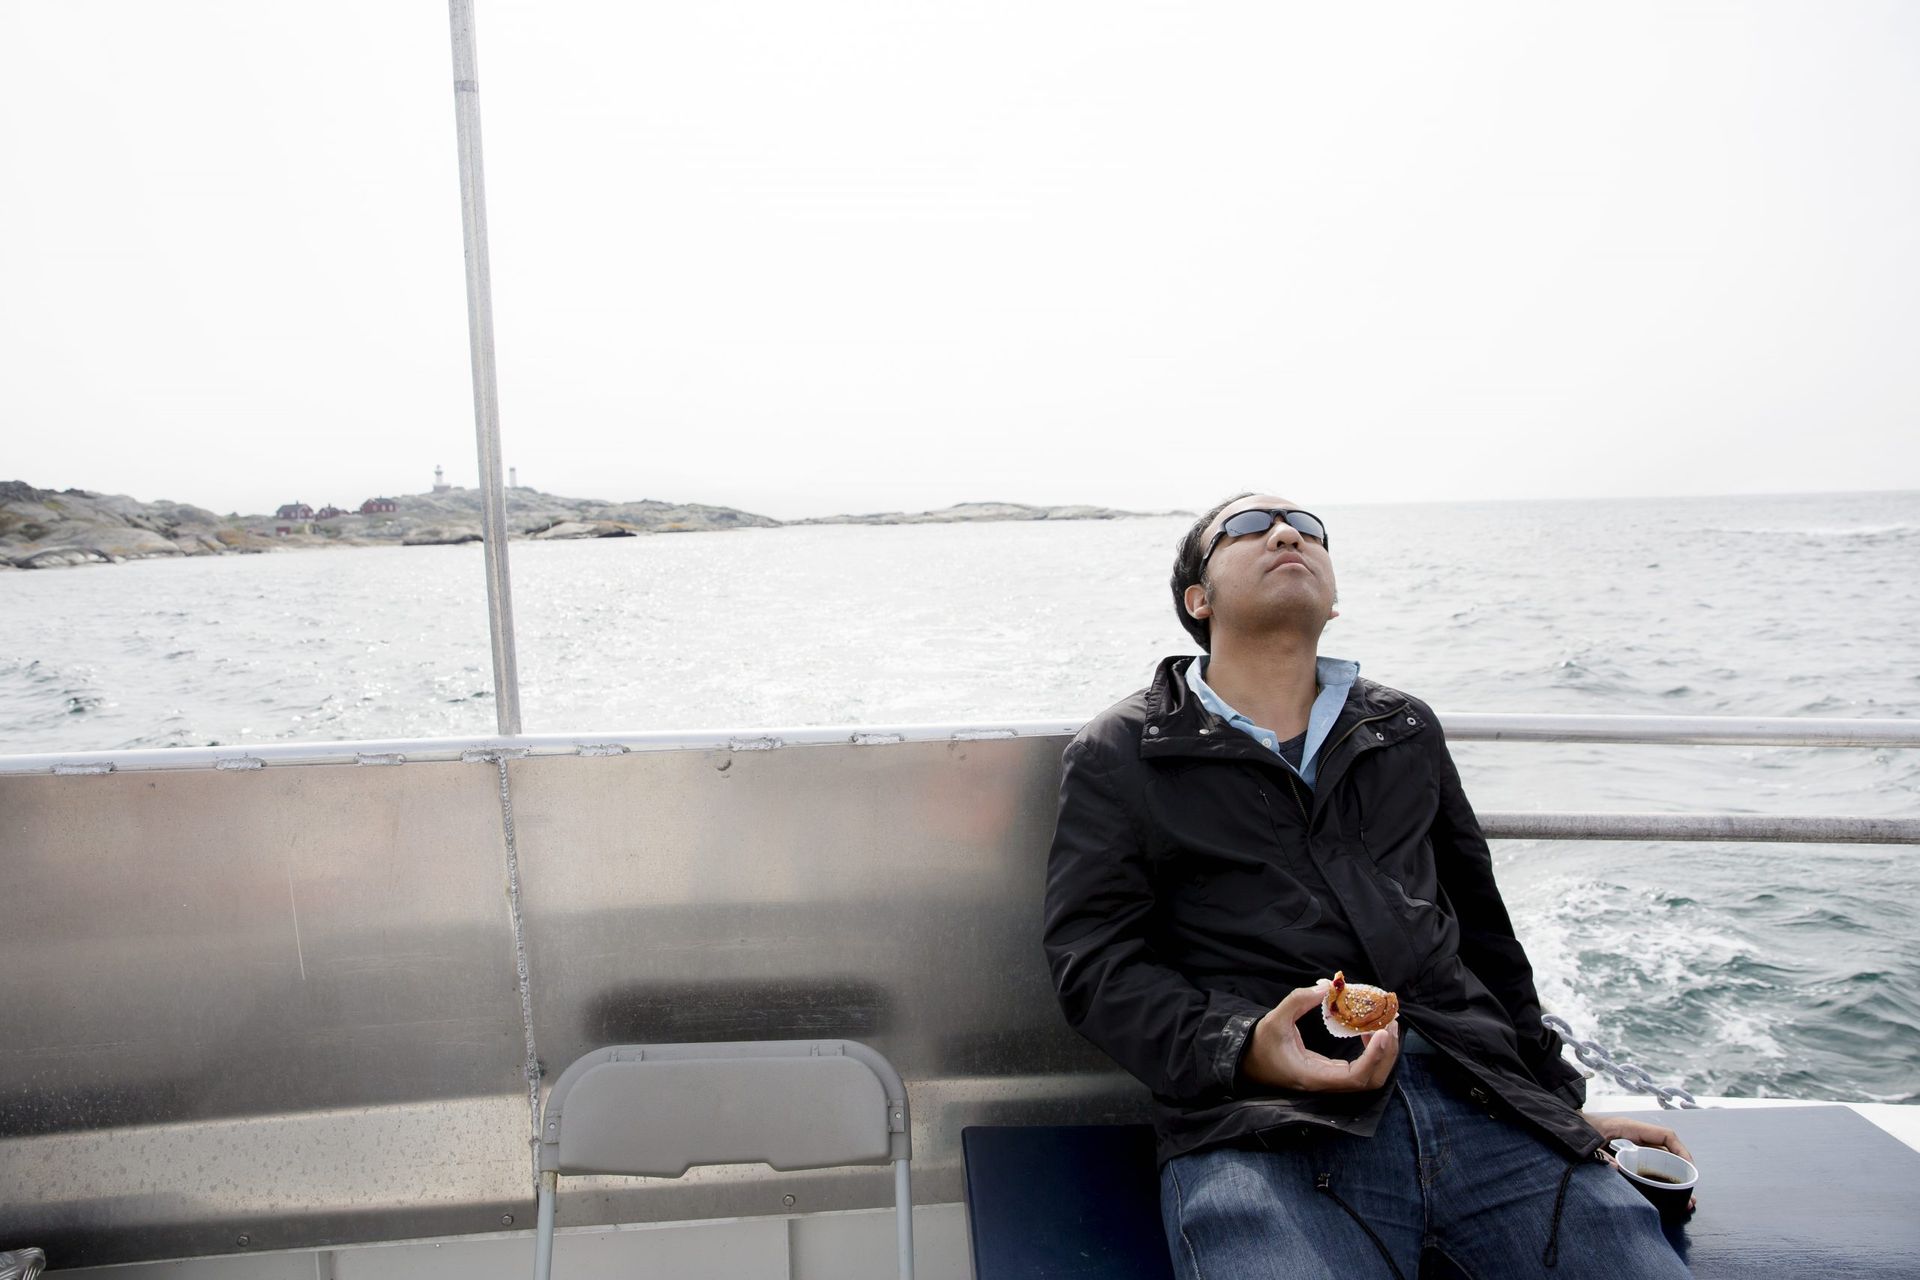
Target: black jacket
[(1194, 881)]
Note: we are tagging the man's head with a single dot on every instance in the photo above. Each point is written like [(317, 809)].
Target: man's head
[(1276, 576)]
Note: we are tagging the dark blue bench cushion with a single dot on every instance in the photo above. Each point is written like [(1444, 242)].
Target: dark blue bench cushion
[(1064, 1200), (1784, 1192)]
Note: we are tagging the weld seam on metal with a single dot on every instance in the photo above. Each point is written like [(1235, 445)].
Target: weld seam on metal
[(490, 755), (522, 973)]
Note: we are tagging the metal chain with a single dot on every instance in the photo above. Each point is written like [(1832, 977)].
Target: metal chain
[(21, 1264), (1634, 1078)]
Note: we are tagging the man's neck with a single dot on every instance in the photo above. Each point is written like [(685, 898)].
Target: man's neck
[(1272, 680)]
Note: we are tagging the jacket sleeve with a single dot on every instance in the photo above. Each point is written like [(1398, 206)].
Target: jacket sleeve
[(1487, 943), (1180, 1041)]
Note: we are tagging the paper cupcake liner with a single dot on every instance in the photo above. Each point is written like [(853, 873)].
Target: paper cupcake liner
[(1334, 1025)]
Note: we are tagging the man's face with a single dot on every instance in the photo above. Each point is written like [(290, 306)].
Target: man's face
[(1262, 580)]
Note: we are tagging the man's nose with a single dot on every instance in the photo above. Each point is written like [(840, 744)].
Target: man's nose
[(1283, 534)]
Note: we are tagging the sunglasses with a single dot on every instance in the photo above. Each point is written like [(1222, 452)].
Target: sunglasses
[(1241, 523)]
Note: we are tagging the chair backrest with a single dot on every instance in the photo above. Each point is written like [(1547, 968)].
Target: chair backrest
[(659, 1109)]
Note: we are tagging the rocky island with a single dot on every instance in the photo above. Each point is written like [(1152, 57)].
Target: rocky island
[(44, 528)]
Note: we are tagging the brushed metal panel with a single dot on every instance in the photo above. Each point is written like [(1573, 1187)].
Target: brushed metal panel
[(888, 893), (214, 984)]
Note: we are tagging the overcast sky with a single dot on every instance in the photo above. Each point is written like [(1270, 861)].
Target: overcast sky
[(806, 256)]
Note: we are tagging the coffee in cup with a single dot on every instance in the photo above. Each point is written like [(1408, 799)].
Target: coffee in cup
[(1662, 1177)]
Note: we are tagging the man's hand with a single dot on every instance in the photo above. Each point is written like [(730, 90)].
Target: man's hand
[(1642, 1133), (1278, 1058)]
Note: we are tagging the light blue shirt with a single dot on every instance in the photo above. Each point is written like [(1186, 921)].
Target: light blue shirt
[(1335, 676)]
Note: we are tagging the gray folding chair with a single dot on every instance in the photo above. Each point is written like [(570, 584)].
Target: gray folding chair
[(657, 1109)]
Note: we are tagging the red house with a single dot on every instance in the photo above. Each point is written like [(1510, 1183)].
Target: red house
[(329, 512), (379, 507), (294, 511)]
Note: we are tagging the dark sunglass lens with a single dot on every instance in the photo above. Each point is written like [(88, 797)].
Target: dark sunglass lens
[(1308, 525), (1247, 522)]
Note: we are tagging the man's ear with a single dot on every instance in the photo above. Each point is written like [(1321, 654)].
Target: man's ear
[(1195, 598)]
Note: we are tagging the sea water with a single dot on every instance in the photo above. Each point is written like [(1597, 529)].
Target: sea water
[(1788, 970)]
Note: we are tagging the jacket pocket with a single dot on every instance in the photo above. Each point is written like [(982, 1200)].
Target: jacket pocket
[(1301, 907)]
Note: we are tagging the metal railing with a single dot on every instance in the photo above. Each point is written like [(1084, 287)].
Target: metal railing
[(1683, 731), (1472, 727), (1742, 828)]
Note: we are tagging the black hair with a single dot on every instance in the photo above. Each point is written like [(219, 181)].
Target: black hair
[(1187, 571)]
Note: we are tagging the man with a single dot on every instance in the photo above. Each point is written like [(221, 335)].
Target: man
[(1229, 837)]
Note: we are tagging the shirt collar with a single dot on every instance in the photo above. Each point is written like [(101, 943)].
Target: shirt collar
[(1335, 677)]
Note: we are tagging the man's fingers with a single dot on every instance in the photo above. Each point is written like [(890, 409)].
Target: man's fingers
[(1375, 1062), (1299, 1001), (1330, 1074), (1368, 1071), (1318, 1071), (1648, 1134), (1641, 1133)]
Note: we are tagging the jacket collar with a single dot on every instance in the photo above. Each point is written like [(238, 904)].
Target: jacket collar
[(1177, 724)]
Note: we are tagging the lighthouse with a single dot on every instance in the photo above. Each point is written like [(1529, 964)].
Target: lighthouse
[(440, 484)]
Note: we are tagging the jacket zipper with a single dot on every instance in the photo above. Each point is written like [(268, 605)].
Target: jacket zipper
[(1293, 788)]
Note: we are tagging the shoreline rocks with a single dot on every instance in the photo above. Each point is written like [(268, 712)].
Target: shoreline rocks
[(40, 528), (575, 529), (44, 528)]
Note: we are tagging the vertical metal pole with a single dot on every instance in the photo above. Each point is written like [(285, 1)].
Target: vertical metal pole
[(486, 401), (543, 1230), (903, 1210)]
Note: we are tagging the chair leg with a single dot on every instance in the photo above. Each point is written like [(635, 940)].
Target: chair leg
[(543, 1231), (903, 1211)]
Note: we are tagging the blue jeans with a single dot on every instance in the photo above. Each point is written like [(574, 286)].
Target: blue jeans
[(1439, 1176)]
